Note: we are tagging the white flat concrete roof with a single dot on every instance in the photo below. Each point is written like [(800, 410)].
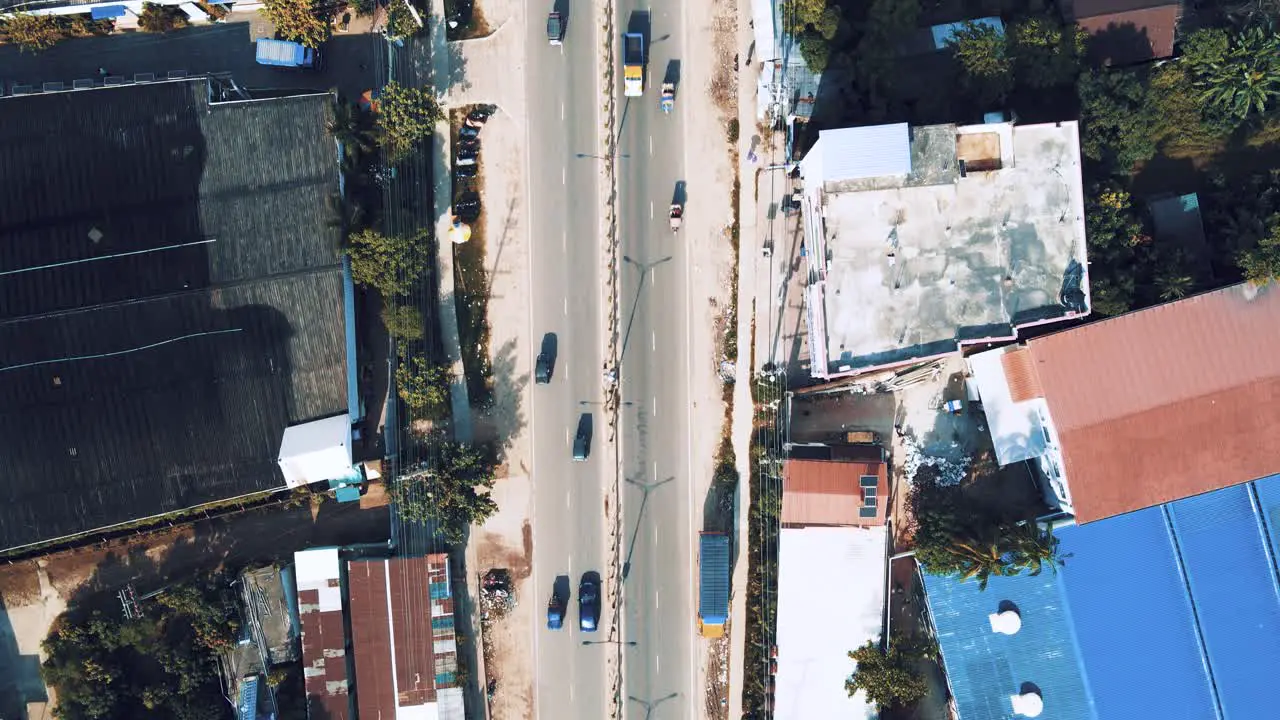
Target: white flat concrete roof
[(831, 599), (316, 451), (1016, 429), (917, 267), (316, 567)]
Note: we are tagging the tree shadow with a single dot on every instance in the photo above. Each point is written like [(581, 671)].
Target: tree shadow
[(457, 68), (505, 419), (1118, 45)]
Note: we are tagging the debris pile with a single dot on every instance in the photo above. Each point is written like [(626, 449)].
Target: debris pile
[(914, 457), (496, 595)]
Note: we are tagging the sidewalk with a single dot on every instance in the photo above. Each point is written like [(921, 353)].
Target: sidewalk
[(442, 195)]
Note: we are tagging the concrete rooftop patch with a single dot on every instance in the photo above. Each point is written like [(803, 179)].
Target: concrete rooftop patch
[(918, 265)]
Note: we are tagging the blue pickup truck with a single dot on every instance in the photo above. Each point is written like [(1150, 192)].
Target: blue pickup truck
[(286, 54)]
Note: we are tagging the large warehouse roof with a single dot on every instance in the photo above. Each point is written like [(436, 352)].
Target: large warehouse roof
[(1170, 611), (170, 300)]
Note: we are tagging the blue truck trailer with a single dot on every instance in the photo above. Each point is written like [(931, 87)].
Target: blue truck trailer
[(287, 54), (713, 583)]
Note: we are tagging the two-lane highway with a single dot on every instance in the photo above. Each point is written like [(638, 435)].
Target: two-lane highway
[(569, 530), (658, 586)]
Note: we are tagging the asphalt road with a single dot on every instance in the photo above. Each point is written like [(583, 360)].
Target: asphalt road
[(657, 503), (569, 531)]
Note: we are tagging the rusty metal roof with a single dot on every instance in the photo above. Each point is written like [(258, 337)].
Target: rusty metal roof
[(1168, 402), (399, 651), (1132, 36), (324, 661), (820, 492)]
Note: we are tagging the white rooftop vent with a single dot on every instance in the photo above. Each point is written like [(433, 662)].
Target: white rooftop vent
[(1007, 622), (1028, 704)]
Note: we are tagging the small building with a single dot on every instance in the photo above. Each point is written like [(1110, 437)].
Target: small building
[(267, 615), (831, 599), (1126, 32), (1167, 612), (325, 671), (1145, 408), (403, 639), (921, 240), (835, 486)]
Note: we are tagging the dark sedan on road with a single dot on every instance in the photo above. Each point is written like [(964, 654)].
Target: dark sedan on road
[(589, 602)]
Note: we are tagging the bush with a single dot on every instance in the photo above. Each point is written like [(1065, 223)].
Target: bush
[(161, 18), (424, 387), (732, 131), (400, 21), (31, 32), (390, 265), (404, 323)]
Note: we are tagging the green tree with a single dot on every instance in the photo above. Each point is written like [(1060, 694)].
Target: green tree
[(1117, 123), (403, 322), (815, 17), (424, 387), (400, 21), (162, 664), (406, 116), (886, 24), (298, 20), (983, 53), (161, 18), (451, 493), (1045, 53), (1117, 239), (890, 679), (1174, 285), (1246, 79), (815, 51), (1261, 263), (390, 265), (31, 32)]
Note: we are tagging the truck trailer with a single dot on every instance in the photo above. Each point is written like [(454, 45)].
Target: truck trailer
[(283, 53), (633, 64), (713, 583)]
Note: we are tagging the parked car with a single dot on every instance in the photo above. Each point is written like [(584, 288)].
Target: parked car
[(464, 172), (589, 602), (469, 144), (480, 113), (582, 440), (468, 131), (467, 209), (546, 364)]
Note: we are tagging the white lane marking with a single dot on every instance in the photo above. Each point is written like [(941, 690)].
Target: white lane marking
[(654, 336), (564, 242), (655, 470), (570, 691), (568, 440), (656, 604), (650, 145), (566, 307), (655, 406), (650, 209), (657, 664), (562, 106), (564, 176), (655, 537), (568, 499)]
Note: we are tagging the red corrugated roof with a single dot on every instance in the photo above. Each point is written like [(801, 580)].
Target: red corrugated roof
[(391, 633), (825, 492), (1125, 37), (1167, 402)]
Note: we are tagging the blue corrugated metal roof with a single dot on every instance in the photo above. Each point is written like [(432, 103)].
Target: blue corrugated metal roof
[(1129, 605), (1233, 586), (1168, 612), (247, 708), (985, 668)]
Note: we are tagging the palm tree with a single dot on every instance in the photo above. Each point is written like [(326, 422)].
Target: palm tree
[(1247, 78), (354, 130), (1173, 285)]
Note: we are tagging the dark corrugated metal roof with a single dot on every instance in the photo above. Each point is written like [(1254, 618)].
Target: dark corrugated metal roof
[(1167, 402), (170, 294)]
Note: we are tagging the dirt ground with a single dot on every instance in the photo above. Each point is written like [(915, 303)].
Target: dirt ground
[(35, 592), (506, 541)]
